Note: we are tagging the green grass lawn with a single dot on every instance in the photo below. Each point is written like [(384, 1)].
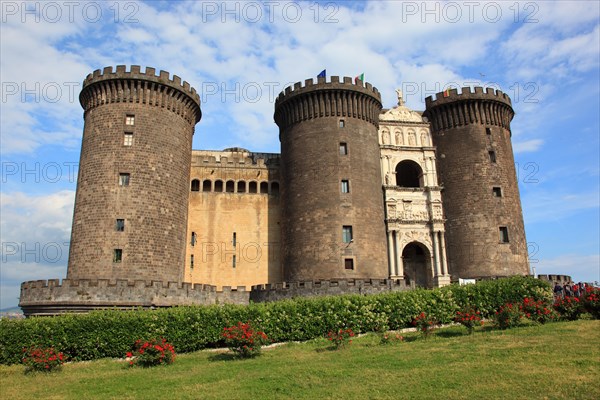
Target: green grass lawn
[(554, 361)]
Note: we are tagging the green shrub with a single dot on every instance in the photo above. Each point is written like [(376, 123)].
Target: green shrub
[(539, 311), (469, 318), (488, 296), (508, 316), (391, 338), (425, 324), (151, 353), (591, 301), (340, 338), (110, 333), (569, 308), (42, 359), (243, 340)]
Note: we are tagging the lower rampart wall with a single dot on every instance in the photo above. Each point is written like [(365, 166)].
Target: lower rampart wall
[(281, 291), (53, 297), (562, 279)]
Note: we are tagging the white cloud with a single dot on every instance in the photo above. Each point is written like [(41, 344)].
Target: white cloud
[(584, 268), (544, 206), (527, 146), (35, 239), (36, 218)]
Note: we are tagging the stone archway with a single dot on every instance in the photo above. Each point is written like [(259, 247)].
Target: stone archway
[(409, 174), (417, 264)]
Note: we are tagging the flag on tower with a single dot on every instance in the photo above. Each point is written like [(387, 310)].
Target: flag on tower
[(361, 77), (447, 92), (323, 74)]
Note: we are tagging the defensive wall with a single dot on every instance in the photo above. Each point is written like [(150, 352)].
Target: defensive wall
[(52, 297), (233, 218), (562, 279)]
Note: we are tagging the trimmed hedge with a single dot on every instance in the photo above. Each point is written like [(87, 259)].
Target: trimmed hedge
[(111, 333)]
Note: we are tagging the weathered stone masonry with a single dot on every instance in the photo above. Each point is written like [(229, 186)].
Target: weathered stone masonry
[(349, 206)]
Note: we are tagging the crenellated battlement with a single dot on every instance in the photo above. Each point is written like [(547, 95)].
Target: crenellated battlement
[(108, 283), (562, 279), (286, 290), (229, 158), (122, 86), (135, 72), (471, 106), (53, 297), (467, 93), (335, 98), (346, 83)]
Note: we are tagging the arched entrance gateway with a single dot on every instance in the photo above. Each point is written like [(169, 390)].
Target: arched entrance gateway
[(417, 265)]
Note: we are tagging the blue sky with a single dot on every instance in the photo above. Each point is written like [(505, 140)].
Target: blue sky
[(239, 55)]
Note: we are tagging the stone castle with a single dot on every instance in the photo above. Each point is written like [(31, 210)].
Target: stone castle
[(360, 200)]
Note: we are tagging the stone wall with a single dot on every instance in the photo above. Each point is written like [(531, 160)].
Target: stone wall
[(562, 279), (281, 291), (234, 192), (54, 297)]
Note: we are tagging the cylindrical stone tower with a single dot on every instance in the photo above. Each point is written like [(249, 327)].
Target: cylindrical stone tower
[(332, 217), (484, 227), (131, 205)]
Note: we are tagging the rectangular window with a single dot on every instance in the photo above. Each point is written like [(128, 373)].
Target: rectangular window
[(128, 139), (492, 156), (347, 234), (345, 186), (120, 225), (123, 179), (192, 261), (488, 131), (234, 241), (497, 191), (193, 242), (343, 149), (348, 263), (117, 255), (342, 123), (233, 261), (503, 234), (129, 119)]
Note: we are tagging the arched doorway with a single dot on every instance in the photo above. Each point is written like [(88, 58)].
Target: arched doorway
[(417, 264)]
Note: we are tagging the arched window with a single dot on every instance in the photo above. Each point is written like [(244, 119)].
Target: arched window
[(206, 186), (218, 186), (241, 187), (195, 185), (230, 187), (409, 174), (275, 188), (252, 187), (264, 187)]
